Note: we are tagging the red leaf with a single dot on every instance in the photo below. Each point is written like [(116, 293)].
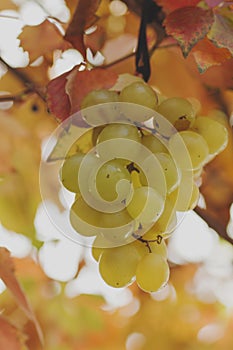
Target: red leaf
[(65, 93), (213, 3), (83, 18), (222, 32), (42, 39), (82, 82), (10, 337), (188, 25), (171, 5), (207, 55), (8, 276), (57, 98)]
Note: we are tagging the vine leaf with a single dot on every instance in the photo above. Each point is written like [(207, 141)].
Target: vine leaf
[(83, 82), (84, 17), (221, 32), (10, 337), (188, 25), (7, 274), (171, 5), (206, 55), (57, 98), (42, 39), (65, 93)]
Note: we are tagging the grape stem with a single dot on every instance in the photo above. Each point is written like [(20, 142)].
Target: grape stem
[(17, 97), (147, 242)]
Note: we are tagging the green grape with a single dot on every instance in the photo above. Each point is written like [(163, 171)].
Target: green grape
[(99, 96), (170, 171), (152, 272), (186, 205), (194, 197), (98, 246), (139, 93), (84, 219), (117, 266), (197, 147), (125, 141), (158, 248), (166, 222), (69, 172), (108, 180), (146, 205), (153, 144), (219, 116), (214, 133), (95, 133), (178, 111), (117, 227)]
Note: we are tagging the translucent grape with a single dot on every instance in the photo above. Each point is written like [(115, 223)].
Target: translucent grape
[(170, 171), (109, 175), (153, 144), (158, 248), (146, 205), (178, 111), (196, 145), (152, 272), (118, 149), (117, 266), (84, 219), (139, 93), (99, 96), (214, 133), (69, 172)]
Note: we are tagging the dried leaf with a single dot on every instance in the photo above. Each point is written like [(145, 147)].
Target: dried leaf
[(221, 32), (171, 5), (80, 83), (188, 25), (7, 274), (207, 55), (83, 18), (10, 337), (57, 99), (42, 39), (7, 5)]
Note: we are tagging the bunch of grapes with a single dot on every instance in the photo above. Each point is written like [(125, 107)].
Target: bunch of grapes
[(142, 169)]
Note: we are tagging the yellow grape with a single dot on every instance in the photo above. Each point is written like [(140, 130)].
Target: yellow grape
[(117, 266), (84, 219), (125, 140), (69, 172), (214, 133), (98, 246), (153, 144), (170, 171), (178, 111), (152, 272), (197, 148), (166, 222), (99, 96), (185, 204), (146, 205), (109, 177), (139, 93), (158, 248)]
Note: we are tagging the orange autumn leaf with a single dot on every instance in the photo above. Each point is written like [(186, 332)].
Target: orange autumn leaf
[(7, 274), (188, 25), (66, 92), (10, 337), (206, 54), (42, 39), (83, 18)]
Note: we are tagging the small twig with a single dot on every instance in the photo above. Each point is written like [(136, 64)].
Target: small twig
[(147, 242), (30, 85), (16, 98)]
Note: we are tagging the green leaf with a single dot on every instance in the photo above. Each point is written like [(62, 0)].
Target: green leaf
[(188, 25)]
